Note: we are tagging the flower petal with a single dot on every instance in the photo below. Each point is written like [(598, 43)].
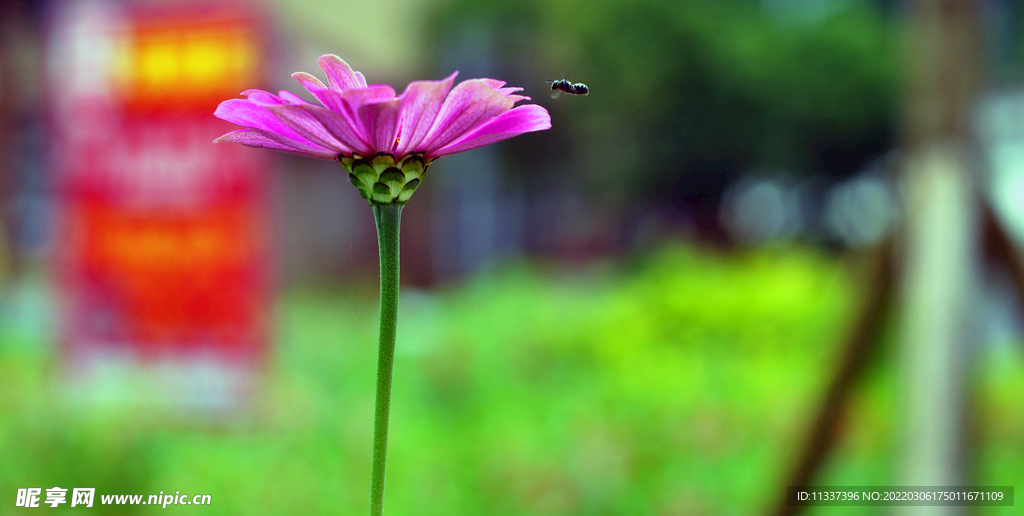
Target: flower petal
[(292, 98), (469, 104), (303, 122), (250, 114), (510, 93), (421, 101), (262, 97), (359, 96), (262, 140), (341, 116), (350, 103), (523, 119), (329, 98), (380, 123), (346, 104), (340, 128), (308, 81), (339, 73)]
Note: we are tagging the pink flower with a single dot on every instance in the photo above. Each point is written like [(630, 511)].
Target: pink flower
[(386, 142)]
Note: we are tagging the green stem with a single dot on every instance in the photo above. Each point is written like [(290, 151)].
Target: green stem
[(388, 218)]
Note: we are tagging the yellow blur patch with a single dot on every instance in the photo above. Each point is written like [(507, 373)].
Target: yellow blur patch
[(185, 65)]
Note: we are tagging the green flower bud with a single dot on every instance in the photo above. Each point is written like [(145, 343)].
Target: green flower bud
[(383, 180)]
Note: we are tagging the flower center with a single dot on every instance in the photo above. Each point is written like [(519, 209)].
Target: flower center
[(382, 180)]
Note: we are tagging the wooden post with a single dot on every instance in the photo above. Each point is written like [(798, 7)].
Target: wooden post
[(941, 242)]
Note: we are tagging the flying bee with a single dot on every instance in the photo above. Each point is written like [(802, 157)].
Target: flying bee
[(560, 87)]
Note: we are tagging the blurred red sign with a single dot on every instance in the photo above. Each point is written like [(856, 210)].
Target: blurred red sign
[(162, 246)]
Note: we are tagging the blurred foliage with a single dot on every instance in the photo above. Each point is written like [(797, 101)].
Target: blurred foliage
[(680, 384), (686, 95)]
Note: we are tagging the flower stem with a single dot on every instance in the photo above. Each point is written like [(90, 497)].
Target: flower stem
[(388, 218)]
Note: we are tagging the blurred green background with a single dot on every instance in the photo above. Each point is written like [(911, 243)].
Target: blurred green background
[(613, 335), (680, 383)]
